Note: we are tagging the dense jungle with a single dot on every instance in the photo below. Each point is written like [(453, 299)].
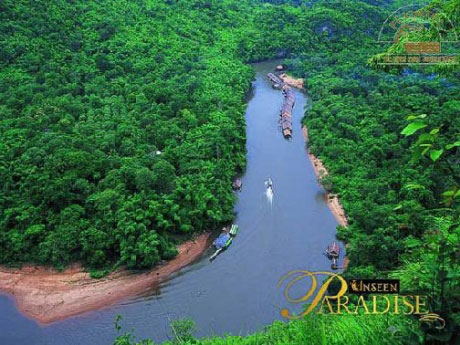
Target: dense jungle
[(122, 128)]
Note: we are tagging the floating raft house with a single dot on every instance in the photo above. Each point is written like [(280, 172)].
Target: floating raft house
[(286, 111), (288, 104), (277, 83)]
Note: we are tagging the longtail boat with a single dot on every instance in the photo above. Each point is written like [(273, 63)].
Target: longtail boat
[(233, 230), (224, 240), (333, 251)]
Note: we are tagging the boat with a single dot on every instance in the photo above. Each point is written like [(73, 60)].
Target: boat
[(277, 83), (333, 251), (233, 230), (216, 253), (224, 240), (269, 183), (237, 184), (334, 264)]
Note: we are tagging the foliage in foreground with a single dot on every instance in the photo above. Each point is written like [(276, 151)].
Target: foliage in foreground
[(317, 329)]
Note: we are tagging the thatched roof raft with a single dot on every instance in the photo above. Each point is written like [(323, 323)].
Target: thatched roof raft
[(288, 103), (286, 111), (275, 79)]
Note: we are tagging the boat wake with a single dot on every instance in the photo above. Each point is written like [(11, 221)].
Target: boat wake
[(269, 195), (269, 191)]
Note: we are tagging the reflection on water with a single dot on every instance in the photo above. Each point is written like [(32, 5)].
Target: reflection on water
[(321, 196), (237, 293)]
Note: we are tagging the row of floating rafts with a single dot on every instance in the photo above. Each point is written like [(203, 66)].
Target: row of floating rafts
[(286, 111), (224, 240), (277, 83), (288, 104)]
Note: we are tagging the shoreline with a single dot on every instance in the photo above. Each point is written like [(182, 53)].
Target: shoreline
[(320, 170), (47, 295), (332, 199)]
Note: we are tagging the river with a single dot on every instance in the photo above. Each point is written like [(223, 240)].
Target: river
[(237, 293)]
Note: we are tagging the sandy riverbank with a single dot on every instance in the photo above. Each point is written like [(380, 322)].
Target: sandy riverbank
[(47, 295), (332, 199), (291, 81), (318, 166)]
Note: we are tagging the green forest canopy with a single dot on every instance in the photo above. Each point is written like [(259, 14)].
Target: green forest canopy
[(122, 122), (122, 126)]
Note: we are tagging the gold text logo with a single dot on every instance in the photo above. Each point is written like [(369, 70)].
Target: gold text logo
[(368, 303)]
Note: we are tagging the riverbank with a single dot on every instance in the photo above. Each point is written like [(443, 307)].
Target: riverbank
[(320, 170), (46, 295), (332, 199), (291, 81)]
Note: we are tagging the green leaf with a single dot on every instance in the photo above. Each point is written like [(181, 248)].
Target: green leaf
[(413, 117), (411, 186), (425, 150), (416, 155), (412, 242), (448, 193), (435, 154), (413, 127), (450, 146), (434, 131), (425, 138)]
